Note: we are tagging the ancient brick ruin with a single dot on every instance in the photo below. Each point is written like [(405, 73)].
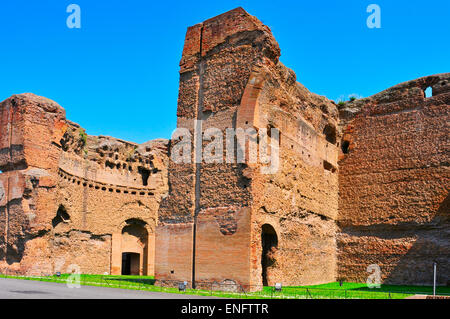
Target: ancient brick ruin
[(358, 184)]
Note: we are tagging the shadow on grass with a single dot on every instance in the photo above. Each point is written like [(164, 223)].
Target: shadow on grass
[(138, 281)]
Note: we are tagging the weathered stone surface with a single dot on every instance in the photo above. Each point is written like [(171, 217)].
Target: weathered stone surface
[(50, 166), (360, 184), (234, 80), (393, 184)]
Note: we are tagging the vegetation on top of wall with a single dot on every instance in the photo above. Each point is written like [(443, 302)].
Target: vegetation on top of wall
[(131, 153), (82, 136)]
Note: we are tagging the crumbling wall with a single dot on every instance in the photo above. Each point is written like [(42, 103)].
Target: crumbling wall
[(30, 130), (52, 168), (217, 60), (379, 167), (227, 61), (299, 199), (394, 183)]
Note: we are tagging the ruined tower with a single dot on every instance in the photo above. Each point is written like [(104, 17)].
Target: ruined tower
[(355, 185), (217, 218)]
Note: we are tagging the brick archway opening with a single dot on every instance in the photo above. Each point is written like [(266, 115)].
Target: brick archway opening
[(269, 245), (134, 248)]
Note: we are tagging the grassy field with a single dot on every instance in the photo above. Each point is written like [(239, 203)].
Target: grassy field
[(325, 291)]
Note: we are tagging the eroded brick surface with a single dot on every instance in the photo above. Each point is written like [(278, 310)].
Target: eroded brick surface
[(360, 184)]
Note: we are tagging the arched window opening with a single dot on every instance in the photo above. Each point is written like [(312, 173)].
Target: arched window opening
[(428, 92)]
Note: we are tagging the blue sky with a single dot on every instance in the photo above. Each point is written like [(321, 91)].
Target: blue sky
[(118, 74)]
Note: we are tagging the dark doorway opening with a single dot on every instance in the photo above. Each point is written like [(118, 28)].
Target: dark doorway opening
[(130, 264), (269, 243), (145, 174)]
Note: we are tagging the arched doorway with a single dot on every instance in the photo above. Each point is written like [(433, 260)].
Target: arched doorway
[(134, 248), (269, 244)]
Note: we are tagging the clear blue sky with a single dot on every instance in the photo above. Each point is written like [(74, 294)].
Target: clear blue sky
[(118, 74)]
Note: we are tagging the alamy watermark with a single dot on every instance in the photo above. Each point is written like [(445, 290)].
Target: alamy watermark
[(241, 146), (374, 279), (74, 19), (374, 19)]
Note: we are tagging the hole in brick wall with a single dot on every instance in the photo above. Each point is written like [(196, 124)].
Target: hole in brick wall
[(61, 216), (110, 165), (345, 146), (206, 114), (145, 174), (328, 166), (330, 133), (428, 92)]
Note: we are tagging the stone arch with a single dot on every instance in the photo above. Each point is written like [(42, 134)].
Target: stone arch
[(133, 248), (134, 220), (269, 245), (247, 113)]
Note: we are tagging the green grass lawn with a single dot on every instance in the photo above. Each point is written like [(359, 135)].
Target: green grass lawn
[(425, 290), (325, 291)]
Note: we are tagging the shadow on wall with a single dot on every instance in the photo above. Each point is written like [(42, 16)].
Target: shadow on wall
[(432, 245), (269, 243), (18, 232)]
